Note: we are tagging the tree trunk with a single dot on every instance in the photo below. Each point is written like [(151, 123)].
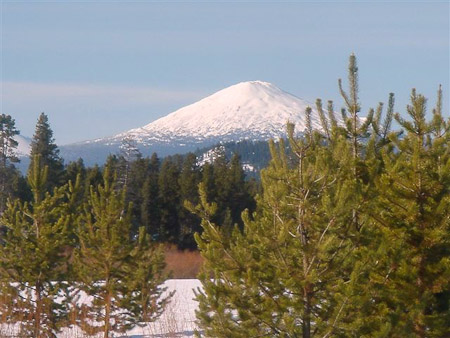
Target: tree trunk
[(38, 313), (306, 312), (107, 313), (419, 326), (107, 310)]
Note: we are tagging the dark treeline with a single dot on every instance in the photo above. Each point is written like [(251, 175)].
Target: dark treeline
[(157, 188)]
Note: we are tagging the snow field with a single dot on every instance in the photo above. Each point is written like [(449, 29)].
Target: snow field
[(177, 320)]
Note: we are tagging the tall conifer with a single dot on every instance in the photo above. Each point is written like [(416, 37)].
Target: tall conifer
[(412, 211), (33, 257), (121, 272), (169, 198), (43, 144), (150, 204), (188, 181), (281, 276), (8, 157)]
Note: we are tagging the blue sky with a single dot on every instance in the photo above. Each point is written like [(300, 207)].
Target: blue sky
[(98, 68)]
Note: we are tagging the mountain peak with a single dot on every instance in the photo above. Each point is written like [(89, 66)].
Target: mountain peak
[(247, 110), (251, 110), (247, 89), (255, 83)]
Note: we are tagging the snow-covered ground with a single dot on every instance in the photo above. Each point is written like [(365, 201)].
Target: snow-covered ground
[(178, 319)]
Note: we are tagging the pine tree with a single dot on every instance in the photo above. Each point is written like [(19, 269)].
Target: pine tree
[(8, 156), (75, 168), (121, 272), (226, 186), (169, 198), (8, 144), (356, 130), (112, 166), (94, 177), (188, 181), (303, 266), (43, 144), (283, 274), (139, 171), (150, 206), (207, 180), (413, 205), (240, 197), (129, 153), (222, 186), (33, 257)]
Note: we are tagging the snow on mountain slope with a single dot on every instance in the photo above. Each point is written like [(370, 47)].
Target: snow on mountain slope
[(248, 110), (24, 146), (253, 110)]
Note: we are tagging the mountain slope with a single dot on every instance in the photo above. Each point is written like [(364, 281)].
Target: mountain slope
[(253, 110), (248, 110), (23, 152), (24, 145)]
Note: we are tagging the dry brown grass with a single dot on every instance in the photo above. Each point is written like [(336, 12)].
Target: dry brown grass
[(183, 264)]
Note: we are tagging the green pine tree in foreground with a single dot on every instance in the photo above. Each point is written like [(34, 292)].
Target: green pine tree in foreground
[(350, 237), (33, 263), (122, 273), (8, 156), (412, 215), (283, 275), (43, 144)]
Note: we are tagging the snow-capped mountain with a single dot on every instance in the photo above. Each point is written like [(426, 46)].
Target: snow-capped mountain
[(248, 110), (253, 110)]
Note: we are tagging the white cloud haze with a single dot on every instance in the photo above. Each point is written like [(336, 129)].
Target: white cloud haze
[(42, 92)]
